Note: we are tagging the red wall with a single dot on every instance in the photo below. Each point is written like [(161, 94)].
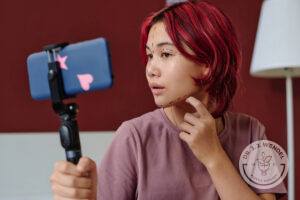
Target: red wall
[(26, 26)]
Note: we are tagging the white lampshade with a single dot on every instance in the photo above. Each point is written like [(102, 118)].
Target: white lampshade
[(277, 44)]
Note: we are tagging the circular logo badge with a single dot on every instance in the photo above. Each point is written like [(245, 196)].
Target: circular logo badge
[(263, 164)]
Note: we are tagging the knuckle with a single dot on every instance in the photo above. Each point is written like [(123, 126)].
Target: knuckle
[(73, 181), (74, 192), (186, 128), (181, 125), (185, 117), (197, 115)]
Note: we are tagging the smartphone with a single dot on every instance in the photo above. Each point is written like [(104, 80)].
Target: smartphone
[(86, 66)]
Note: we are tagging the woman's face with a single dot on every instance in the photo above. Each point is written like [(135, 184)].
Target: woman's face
[(170, 70)]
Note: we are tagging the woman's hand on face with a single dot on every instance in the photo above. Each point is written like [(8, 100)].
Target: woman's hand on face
[(74, 182), (199, 131)]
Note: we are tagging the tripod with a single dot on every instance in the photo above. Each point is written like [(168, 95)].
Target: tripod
[(68, 131)]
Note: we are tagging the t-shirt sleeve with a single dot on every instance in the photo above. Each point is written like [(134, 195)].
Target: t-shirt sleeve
[(259, 133), (117, 171)]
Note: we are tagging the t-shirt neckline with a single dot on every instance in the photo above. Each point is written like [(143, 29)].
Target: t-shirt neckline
[(177, 130)]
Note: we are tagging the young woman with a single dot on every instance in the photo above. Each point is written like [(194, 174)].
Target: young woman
[(188, 148)]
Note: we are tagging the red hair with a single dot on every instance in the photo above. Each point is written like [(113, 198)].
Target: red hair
[(208, 32)]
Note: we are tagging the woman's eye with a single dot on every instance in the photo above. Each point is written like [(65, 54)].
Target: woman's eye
[(149, 56), (165, 55)]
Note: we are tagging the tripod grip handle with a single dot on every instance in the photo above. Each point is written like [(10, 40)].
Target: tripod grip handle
[(69, 137)]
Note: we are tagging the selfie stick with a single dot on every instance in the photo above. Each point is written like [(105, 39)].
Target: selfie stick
[(69, 133)]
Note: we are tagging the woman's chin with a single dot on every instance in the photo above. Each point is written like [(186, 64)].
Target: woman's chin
[(163, 102)]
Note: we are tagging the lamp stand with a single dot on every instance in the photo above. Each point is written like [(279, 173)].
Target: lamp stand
[(290, 135)]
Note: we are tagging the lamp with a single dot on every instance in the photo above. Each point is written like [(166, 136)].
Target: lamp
[(277, 55)]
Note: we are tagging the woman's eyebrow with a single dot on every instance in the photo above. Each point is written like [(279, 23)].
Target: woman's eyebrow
[(162, 44)]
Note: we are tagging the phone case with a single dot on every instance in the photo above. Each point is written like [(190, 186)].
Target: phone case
[(85, 66)]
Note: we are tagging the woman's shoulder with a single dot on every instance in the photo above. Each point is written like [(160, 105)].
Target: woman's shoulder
[(141, 122), (244, 123), (243, 119), (146, 118)]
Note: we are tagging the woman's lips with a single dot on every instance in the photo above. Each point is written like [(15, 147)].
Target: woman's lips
[(157, 90)]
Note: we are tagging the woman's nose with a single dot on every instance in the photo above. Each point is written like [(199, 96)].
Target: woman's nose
[(152, 70)]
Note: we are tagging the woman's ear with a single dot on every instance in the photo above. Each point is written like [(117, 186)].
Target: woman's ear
[(206, 70)]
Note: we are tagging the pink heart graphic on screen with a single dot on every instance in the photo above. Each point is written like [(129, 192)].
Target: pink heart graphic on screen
[(85, 81)]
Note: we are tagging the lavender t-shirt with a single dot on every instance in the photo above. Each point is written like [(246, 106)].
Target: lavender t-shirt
[(148, 161)]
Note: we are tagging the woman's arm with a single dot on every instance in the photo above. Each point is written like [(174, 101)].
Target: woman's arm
[(117, 171), (201, 135), (229, 183)]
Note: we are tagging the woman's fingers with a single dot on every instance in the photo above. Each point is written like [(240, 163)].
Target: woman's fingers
[(188, 128), (70, 192), (197, 104), (190, 118), (86, 166), (65, 167), (71, 181)]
